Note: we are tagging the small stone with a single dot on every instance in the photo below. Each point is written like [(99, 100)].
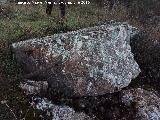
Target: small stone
[(3, 102), (34, 87)]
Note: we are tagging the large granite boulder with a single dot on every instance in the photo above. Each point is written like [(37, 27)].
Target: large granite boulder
[(145, 104), (87, 62)]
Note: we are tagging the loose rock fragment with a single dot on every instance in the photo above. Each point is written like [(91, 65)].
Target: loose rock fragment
[(146, 104), (60, 112), (34, 87)]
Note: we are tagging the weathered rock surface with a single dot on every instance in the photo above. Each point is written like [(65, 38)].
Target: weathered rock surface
[(53, 111), (87, 62), (3, 1), (145, 103), (34, 87), (60, 112)]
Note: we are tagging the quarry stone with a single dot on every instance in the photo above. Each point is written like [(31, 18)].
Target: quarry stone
[(3, 2), (87, 62), (57, 112), (145, 103), (31, 87)]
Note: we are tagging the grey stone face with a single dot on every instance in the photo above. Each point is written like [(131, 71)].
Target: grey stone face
[(60, 112), (145, 103), (3, 1), (34, 87), (88, 62)]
